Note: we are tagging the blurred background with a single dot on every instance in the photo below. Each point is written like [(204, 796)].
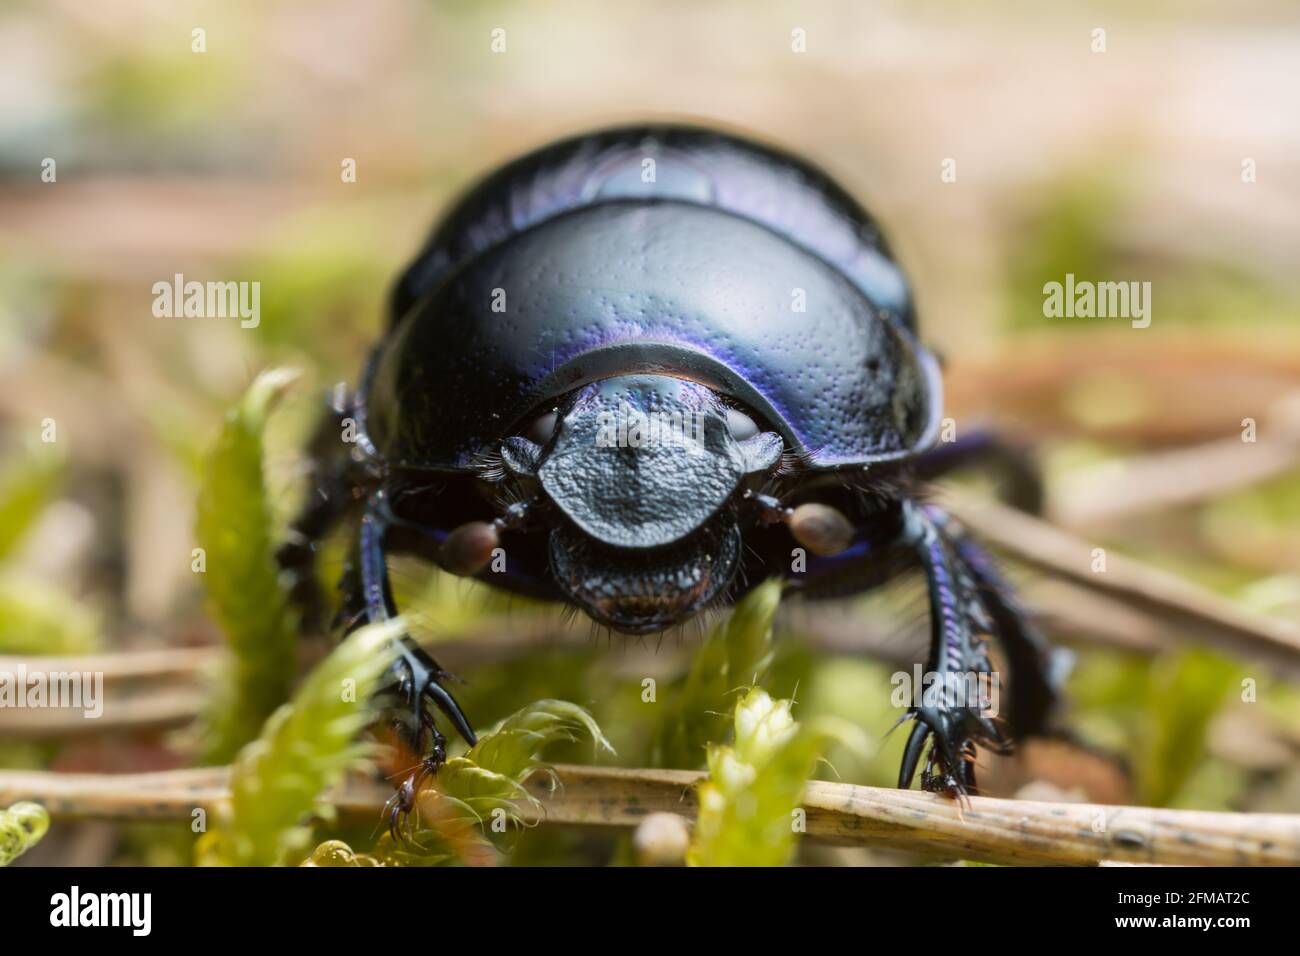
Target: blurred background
[(1001, 147)]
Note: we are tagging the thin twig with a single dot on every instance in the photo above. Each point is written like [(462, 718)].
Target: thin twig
[(1206, 616), (142, 690), (161, 710), (982, 829), (180, 662), (1166, 479)]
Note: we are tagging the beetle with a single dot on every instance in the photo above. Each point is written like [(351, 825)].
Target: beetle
[(653, 366)]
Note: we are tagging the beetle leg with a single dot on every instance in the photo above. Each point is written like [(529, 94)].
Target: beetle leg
[(329, 500), (1021, 484), (415, 678), (949, 711), (1035, 667), (420, 672)]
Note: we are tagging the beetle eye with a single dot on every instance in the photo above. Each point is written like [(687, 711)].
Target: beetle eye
[(740, 425), (542, 428)]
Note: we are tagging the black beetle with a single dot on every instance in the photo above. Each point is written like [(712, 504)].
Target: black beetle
[(656, 365)]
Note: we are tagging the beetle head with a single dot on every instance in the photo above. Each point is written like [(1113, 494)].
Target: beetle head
[(640, 470)]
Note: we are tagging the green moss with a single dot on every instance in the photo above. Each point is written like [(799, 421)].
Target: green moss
[(235, 532), (473, 806), (37, 618), (749, 807), (21, 828), (27, 484), (305, 748), (695, 711)]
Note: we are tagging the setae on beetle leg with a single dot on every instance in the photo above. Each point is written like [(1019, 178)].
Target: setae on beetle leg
[(948, 713), (415, 679)]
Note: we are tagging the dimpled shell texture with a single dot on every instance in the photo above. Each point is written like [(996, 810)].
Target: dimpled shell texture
[(654, 249)]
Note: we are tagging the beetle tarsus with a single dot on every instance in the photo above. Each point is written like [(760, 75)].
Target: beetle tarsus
[(405, 798)]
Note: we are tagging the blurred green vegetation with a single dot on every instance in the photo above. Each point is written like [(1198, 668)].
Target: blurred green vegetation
[(305, 747), (154, 141), (749, 808), (1077, 226), (236, 555), (21, 828)]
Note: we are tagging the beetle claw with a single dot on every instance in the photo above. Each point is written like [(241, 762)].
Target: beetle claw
[(447, 704), (953, 735), (415, 679), (912, 755)]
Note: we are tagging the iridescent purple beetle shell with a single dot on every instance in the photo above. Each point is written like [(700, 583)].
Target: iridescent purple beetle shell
[(654, 249)]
